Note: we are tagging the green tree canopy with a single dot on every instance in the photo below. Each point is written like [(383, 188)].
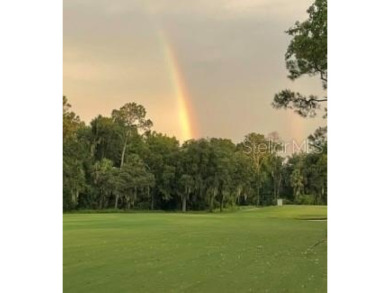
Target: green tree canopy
[(306, 55)]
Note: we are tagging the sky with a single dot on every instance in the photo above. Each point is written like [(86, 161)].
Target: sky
[(200, 68)]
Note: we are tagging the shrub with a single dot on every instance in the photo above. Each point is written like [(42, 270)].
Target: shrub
[(306, 199)]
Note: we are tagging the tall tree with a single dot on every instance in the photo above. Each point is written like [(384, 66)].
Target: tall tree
[(70, 121), (131, 119), (306, 55), (106, 140), (187, 185), (136, 180), (195, 158), (275, 165), (318, 141), (221, 162), (161, 157), (297, 181), (257, 147), (103, 180), (74, 157), (242, 176)]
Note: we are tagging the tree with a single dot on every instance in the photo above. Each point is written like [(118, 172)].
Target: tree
[(306, 55), (103, 180), (118, 162), (318, 140), (297, 180), (136, 179), (73, 181), (74, 157), (314, 172), (258, 148), (187, 184), (316, 166), (70, 121), (117, 185), (161, 157), (131, 119), (222, 166), (105, 139), (242, 176), (194, 161), (275, 164), (307, 172)]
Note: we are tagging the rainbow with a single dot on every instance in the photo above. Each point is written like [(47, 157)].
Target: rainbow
[(185, 114), (186, 117)]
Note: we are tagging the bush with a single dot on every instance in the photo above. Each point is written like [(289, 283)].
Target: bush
[(143, 205), (306, 199), (287, 201), (67, 204)]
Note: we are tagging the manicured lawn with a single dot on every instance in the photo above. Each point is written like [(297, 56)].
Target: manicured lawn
[(254, 250)]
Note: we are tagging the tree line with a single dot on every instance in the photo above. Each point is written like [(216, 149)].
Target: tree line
[(119, 162)]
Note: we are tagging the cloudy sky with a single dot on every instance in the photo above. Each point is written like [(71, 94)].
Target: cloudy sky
[(230, 53)]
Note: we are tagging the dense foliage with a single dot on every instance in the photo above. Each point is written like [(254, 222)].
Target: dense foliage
[(119, 162)]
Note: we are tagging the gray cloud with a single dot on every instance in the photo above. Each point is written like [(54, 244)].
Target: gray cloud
[(231, 53)]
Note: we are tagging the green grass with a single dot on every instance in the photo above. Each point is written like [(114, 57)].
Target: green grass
[(253, 250)]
